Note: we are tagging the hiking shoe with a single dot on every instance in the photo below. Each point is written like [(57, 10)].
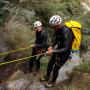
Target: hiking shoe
[(44, 78), (50, 84)]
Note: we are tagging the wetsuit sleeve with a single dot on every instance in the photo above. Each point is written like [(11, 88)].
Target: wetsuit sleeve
[(67, 43)]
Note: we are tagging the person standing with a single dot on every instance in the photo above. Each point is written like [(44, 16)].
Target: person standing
[(63, 39), (40, 46)]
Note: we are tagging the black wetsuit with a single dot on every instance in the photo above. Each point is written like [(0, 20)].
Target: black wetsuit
[(41, 43), (63, 38)]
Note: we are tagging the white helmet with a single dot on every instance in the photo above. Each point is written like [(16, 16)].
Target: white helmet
[(37, 24), (55, 20)]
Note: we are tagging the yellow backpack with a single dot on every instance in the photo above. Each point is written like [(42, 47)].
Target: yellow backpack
[(76, 29)]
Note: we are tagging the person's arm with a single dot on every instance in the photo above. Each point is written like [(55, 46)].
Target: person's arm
[(67, 43)]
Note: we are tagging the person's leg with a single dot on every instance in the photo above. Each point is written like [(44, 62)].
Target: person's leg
[(55, 73), (62, 58), (31, 62), (49, 68), (50, 65), (38, 62)]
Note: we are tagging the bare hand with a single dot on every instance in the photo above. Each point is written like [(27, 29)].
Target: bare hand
[(49, 52), (50, 48)]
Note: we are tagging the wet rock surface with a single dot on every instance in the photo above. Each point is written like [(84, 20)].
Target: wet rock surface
[(27, 81), (22, 81)]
